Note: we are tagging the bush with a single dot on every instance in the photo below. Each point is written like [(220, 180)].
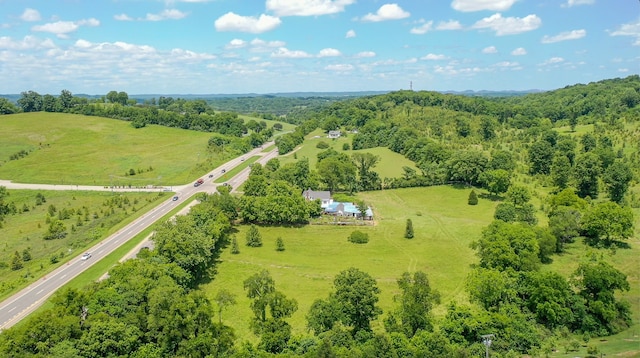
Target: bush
[(359, 237), (279, 244), (322, 145), (346, 146), (235, 249), (473, 198), (254, 239), (408, 232)]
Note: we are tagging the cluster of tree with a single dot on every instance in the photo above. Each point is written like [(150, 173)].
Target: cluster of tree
[(508, 279), (274, 201), (288, 142), (148, 307)]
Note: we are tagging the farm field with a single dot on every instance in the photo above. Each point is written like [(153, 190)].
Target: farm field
[(314, 254), (286, 127), (87, 216), (75, 149), (389, 166)]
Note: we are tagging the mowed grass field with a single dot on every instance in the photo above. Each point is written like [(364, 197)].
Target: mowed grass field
[(389, 166), (75, 149), (444, 227), (96, 214)]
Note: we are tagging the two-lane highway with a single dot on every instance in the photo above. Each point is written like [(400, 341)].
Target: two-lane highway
[(27, 300)]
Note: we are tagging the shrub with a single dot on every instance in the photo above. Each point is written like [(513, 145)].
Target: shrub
[(322, 145), (235, 249), (346, 146), (359, 237), (254, 239), (279, 244), (473, 198), (408, 231)]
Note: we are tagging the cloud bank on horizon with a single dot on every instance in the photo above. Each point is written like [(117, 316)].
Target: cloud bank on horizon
[(268, 46)]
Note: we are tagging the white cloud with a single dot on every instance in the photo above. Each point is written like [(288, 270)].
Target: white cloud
[(508, 25), (490, 49), (422, 29), (434, 57), (631, 29), (343, 67), (233, 22), (30, 15), (571, 3), (236, 43), (623, 70), (27, 43), (552, 61), (564, 36), (307, 7), (364, 54), (283, 52), (168, 14), (63, 28), (329, 52), (449, 25), (507, 64), (520, 51), (479, 5), (258, 45), (386, 12), (122, 17), (350, 34), (89, 22)]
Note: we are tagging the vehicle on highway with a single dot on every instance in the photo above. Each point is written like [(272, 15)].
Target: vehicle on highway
[(175, 198), (242, 159), (224, 171), (210, 175), (85, 256), (199, 182)]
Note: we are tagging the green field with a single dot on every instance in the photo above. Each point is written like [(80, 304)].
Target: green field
[(444, 226), (286, 127), (95, 215), (75, 149), (389, 166)]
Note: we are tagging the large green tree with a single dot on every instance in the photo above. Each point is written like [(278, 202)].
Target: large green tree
[(607, 222), (416, 302), (586, 173), (508, 246), (617, 178)]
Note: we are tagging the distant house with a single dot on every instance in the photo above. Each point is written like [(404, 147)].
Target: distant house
[(323, 196), (334, 134), (347, 209)]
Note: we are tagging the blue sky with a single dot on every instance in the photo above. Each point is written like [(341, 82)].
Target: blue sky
[(268, 46)]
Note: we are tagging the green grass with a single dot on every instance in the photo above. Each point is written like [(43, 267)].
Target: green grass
[(76, 149), (285, 126), (98, 269), (233, 172), (444, 226), (25, 230), (389, 166)]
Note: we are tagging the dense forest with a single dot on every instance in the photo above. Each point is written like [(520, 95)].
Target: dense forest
[(513, 148)]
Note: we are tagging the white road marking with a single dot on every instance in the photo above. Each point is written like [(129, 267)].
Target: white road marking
[(12, 309)]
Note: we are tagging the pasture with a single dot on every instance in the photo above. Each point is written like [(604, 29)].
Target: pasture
[(59, 148), (444, 227), (87, 216), (389, 166)]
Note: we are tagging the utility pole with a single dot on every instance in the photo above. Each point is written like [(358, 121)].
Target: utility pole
[(486, 340)]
